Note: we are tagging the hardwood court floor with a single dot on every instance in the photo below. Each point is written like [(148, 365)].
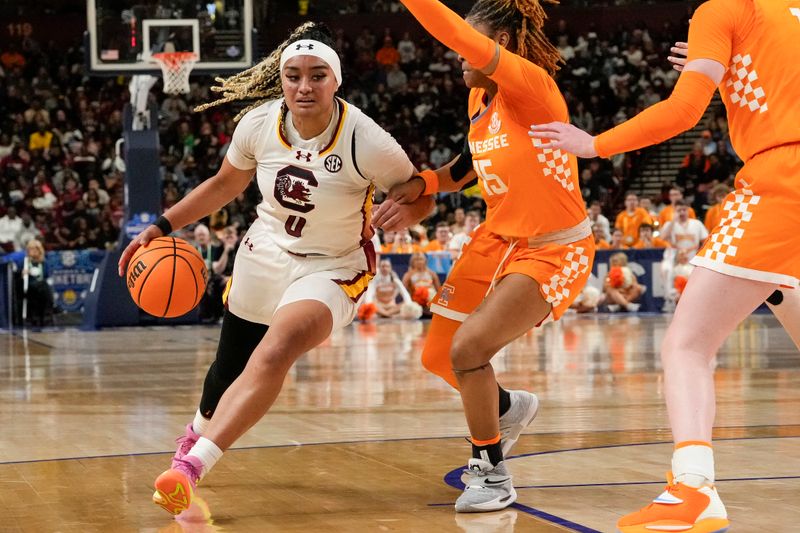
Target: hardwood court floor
[(363, 439)]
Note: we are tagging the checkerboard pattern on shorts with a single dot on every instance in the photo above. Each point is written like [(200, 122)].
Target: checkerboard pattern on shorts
[(576, 262), (743, 85), (737, 212), (556, 164)]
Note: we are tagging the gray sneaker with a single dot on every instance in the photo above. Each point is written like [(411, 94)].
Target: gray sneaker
[(487, 488), (524, 406)]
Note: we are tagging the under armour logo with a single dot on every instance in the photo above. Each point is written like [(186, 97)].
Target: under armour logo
[(307, 46), (300, 155), (247, 242)]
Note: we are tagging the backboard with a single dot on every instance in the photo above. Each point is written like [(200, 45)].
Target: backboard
[(123, 34)]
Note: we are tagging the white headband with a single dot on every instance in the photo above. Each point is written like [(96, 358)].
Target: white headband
[(309, 47)]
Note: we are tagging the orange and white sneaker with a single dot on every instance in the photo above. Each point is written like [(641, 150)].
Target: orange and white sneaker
[(680, 508), (175, 487)]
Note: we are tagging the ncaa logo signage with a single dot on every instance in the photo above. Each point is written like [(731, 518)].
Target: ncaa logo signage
[(333, 163)]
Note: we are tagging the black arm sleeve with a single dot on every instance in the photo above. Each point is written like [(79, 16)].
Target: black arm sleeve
[(463, 165)]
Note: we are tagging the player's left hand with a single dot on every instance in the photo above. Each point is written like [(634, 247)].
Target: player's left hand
[(565, 137), (393, 216), (681, 51)]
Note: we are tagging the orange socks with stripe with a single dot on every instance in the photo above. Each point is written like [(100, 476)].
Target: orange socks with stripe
[(693, 463), (488, 450)]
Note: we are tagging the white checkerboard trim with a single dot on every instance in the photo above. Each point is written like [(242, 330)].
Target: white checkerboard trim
[(737, 211), (743, 85), (556, 164), (576, 262)]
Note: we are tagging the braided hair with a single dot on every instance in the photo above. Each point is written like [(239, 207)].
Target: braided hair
[(523, 20), (262, 82)]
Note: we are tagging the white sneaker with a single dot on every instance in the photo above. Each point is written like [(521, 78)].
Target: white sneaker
[(524, 406), (488, 488)]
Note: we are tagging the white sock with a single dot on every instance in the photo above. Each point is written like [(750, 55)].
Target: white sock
[(200, 423), (693, 465), (208, 453)]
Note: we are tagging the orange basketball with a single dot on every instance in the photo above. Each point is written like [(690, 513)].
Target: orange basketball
[(167, 278)]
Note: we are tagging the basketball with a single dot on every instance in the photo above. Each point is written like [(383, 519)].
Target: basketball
[(166, 278)]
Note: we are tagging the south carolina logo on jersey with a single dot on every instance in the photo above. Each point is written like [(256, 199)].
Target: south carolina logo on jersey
[(293, 188), (495, 125)]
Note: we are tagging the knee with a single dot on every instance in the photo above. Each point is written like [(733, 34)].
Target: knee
[(276, 357), (468, 352)]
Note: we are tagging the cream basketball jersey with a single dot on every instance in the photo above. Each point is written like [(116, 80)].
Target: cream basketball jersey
[(317, 193)]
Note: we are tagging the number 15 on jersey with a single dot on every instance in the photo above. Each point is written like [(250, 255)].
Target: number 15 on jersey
[(492, 183)]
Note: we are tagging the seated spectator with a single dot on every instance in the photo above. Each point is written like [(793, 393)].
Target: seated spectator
[(471, 221), (617, 240), (440, 243), (459, 217), (41, 138), (599, 237), (646, 239), (666, 214), (36, 296), (684, 233), (28, 231), (596, 217), (715, 212), (630, 219), (384, 290), (403, 243), (10, 227), (211, 307), (421, 282), (647, 205), (621, 287)]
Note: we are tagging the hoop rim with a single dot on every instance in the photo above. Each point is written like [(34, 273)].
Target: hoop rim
[(175, 56)]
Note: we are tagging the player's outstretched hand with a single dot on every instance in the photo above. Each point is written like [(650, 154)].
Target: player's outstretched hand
[(394, 216), (565, 137), (150, 233), (681, 51), (408, 192)]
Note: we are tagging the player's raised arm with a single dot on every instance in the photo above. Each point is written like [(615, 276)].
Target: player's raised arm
[(710, 40), (530, 81)]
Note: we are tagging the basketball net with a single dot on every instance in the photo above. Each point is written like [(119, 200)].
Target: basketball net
[(176, 67)]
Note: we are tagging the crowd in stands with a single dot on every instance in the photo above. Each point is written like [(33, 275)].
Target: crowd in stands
[(61, 181)]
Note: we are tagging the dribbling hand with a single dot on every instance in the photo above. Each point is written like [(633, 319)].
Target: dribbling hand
[(150, 233)]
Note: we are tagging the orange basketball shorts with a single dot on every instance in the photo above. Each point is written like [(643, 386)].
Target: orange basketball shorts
[(561, 270), (758, 237)]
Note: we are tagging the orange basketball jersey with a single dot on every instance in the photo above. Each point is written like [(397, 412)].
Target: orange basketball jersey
[(757, 40), (529, 191)]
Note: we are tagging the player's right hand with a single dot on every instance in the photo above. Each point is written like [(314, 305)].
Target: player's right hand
[(408, 192), (679, 60), (142, 239)]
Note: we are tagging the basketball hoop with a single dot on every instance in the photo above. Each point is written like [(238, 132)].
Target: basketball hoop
[(176, 67)]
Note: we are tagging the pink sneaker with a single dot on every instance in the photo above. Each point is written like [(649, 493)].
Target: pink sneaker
[(185, 444), (175, 487)]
